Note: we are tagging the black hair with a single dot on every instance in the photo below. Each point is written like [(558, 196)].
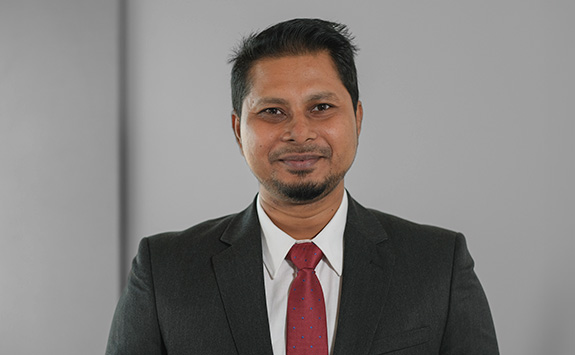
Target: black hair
[(295, 37)]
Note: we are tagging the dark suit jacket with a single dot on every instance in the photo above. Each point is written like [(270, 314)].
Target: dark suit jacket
[(406, 289)]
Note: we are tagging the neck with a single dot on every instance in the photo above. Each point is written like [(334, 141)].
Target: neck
[(302, 221)]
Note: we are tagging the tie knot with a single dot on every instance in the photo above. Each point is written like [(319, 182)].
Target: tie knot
[(305, 255)]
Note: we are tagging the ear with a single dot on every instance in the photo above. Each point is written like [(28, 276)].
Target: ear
[(236, 126), (358, 117)]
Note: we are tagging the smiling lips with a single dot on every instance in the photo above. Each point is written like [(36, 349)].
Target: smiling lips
[(300, 158), (300, 161)]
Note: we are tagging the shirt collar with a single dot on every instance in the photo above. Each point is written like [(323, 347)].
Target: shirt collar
[(276, 243)]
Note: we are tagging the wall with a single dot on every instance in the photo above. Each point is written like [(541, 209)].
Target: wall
[(59, 175), (468, 125)]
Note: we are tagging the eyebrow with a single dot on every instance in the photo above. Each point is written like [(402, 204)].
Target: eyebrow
[(325, 95), (270, 101)]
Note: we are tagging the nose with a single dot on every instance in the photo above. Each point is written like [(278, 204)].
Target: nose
[(299, 129)]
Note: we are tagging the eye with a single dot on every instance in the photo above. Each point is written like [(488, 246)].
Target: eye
[(272, 114), (272, 111), (321, 107)]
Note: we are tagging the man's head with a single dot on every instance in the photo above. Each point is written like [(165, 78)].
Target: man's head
[(297, 123), (295, 37)]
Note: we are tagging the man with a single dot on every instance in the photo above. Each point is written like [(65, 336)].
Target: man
[(374, 283)]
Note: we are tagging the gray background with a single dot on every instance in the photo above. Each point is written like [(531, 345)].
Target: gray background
[(469, 124)]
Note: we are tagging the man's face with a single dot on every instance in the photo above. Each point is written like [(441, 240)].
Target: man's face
[(298, 131)]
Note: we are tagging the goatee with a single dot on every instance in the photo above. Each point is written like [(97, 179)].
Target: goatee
[(305, 192)]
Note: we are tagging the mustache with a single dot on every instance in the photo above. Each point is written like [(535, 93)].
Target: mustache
[(307, 149)]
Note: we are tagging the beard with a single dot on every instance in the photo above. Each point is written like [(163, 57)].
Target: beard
[(304, 191)]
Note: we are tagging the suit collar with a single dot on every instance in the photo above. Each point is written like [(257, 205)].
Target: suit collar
[(367, 271), (363, 222), (239, 274)]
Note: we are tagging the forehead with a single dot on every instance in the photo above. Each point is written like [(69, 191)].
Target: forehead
[(304, 71)]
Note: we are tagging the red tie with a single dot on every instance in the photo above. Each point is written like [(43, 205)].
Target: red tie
[(306, 331)]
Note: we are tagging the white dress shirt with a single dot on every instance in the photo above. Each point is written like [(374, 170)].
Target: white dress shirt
[(279, 273)]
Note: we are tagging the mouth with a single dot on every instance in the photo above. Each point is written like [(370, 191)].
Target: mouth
[(300, 161)]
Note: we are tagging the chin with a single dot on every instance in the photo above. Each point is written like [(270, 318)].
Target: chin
[(301, 192)]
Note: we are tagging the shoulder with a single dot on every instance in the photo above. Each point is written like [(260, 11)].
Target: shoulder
[(198, 234), (169, 256), (397, 226), (431, 247), (421, 249), (407, 237), (198, 242)]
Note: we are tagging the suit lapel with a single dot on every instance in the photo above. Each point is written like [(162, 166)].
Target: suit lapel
[(239, 274), (367, 270)]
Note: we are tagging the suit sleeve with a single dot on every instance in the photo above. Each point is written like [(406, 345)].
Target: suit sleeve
[(135, 328), (469, 329)]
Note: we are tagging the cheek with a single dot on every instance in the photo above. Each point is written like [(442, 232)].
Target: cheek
[(256, 145), (342, 138)]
